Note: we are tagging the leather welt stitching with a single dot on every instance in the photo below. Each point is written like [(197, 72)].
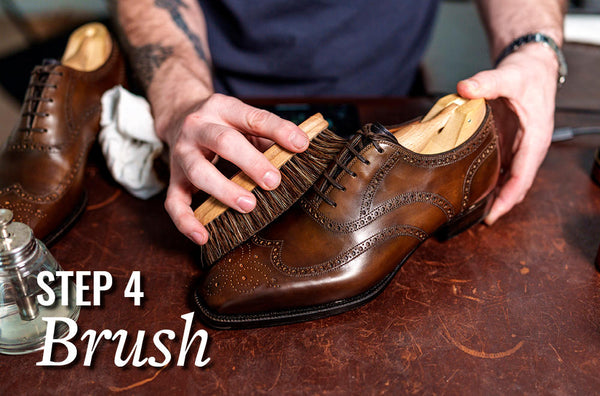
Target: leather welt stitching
[(473, 168), (401, 200), (344, 257)]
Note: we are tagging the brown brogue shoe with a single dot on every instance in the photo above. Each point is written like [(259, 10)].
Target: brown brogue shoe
[(341, 244), (42, 162)]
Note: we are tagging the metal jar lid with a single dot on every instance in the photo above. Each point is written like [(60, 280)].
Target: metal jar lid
[(17, 242)]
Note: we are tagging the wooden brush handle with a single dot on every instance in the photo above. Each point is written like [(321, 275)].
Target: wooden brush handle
[(277, 155)]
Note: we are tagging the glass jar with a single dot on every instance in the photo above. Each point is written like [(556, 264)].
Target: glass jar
[(22, 258)]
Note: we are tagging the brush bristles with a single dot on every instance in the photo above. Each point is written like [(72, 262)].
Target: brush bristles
[(232, 228)]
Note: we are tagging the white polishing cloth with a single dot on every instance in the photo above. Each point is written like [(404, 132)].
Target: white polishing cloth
[(129, 143)]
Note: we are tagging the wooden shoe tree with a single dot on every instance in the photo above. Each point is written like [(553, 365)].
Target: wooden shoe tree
[(450, 122), (88, 47)]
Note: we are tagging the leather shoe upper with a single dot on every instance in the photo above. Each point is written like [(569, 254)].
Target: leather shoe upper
[(368, 212), (42, 162)]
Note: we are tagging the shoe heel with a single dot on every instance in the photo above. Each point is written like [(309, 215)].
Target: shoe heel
[(472, 216)]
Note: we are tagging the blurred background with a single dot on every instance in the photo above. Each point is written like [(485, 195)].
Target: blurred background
[(31, 30)]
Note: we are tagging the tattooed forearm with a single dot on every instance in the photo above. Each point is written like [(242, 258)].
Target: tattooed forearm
[(147, 59), (173, 7), (150, 39)]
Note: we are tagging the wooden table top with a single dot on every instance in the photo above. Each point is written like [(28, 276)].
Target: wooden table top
[(508, 309)]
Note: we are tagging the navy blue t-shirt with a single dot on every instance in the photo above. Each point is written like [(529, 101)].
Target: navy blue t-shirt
[(286, 48)]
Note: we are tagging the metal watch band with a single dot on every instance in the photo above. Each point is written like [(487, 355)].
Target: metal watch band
[(543, 39)]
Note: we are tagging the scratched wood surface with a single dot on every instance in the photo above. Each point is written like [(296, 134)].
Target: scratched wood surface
[(508, 309)]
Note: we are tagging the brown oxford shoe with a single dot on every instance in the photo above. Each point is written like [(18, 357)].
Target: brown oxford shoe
[(341, 244), (42, 162)]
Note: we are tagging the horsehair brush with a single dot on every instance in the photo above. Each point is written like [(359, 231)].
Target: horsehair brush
[(229, 228)]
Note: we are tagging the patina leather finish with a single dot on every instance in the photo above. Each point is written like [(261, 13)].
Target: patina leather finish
[(42, 162), (343, 242)]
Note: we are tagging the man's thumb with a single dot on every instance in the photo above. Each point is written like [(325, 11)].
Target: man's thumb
[(484, 84)]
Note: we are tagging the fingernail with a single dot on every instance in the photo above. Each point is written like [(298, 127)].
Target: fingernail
[(271, 179), (299, 140), (473, 85), (245, 203), (198, 238)]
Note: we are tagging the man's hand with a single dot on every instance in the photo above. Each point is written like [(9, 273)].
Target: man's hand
[(527, 79), (223, 126)]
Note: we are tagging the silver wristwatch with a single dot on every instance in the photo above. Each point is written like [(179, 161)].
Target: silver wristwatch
[(538, 38)]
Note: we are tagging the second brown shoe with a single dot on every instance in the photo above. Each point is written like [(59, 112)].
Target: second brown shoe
[(343, 242), (42, 162)]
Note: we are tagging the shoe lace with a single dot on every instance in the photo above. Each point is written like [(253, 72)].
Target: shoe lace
[(350, 151), (38, 84)]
